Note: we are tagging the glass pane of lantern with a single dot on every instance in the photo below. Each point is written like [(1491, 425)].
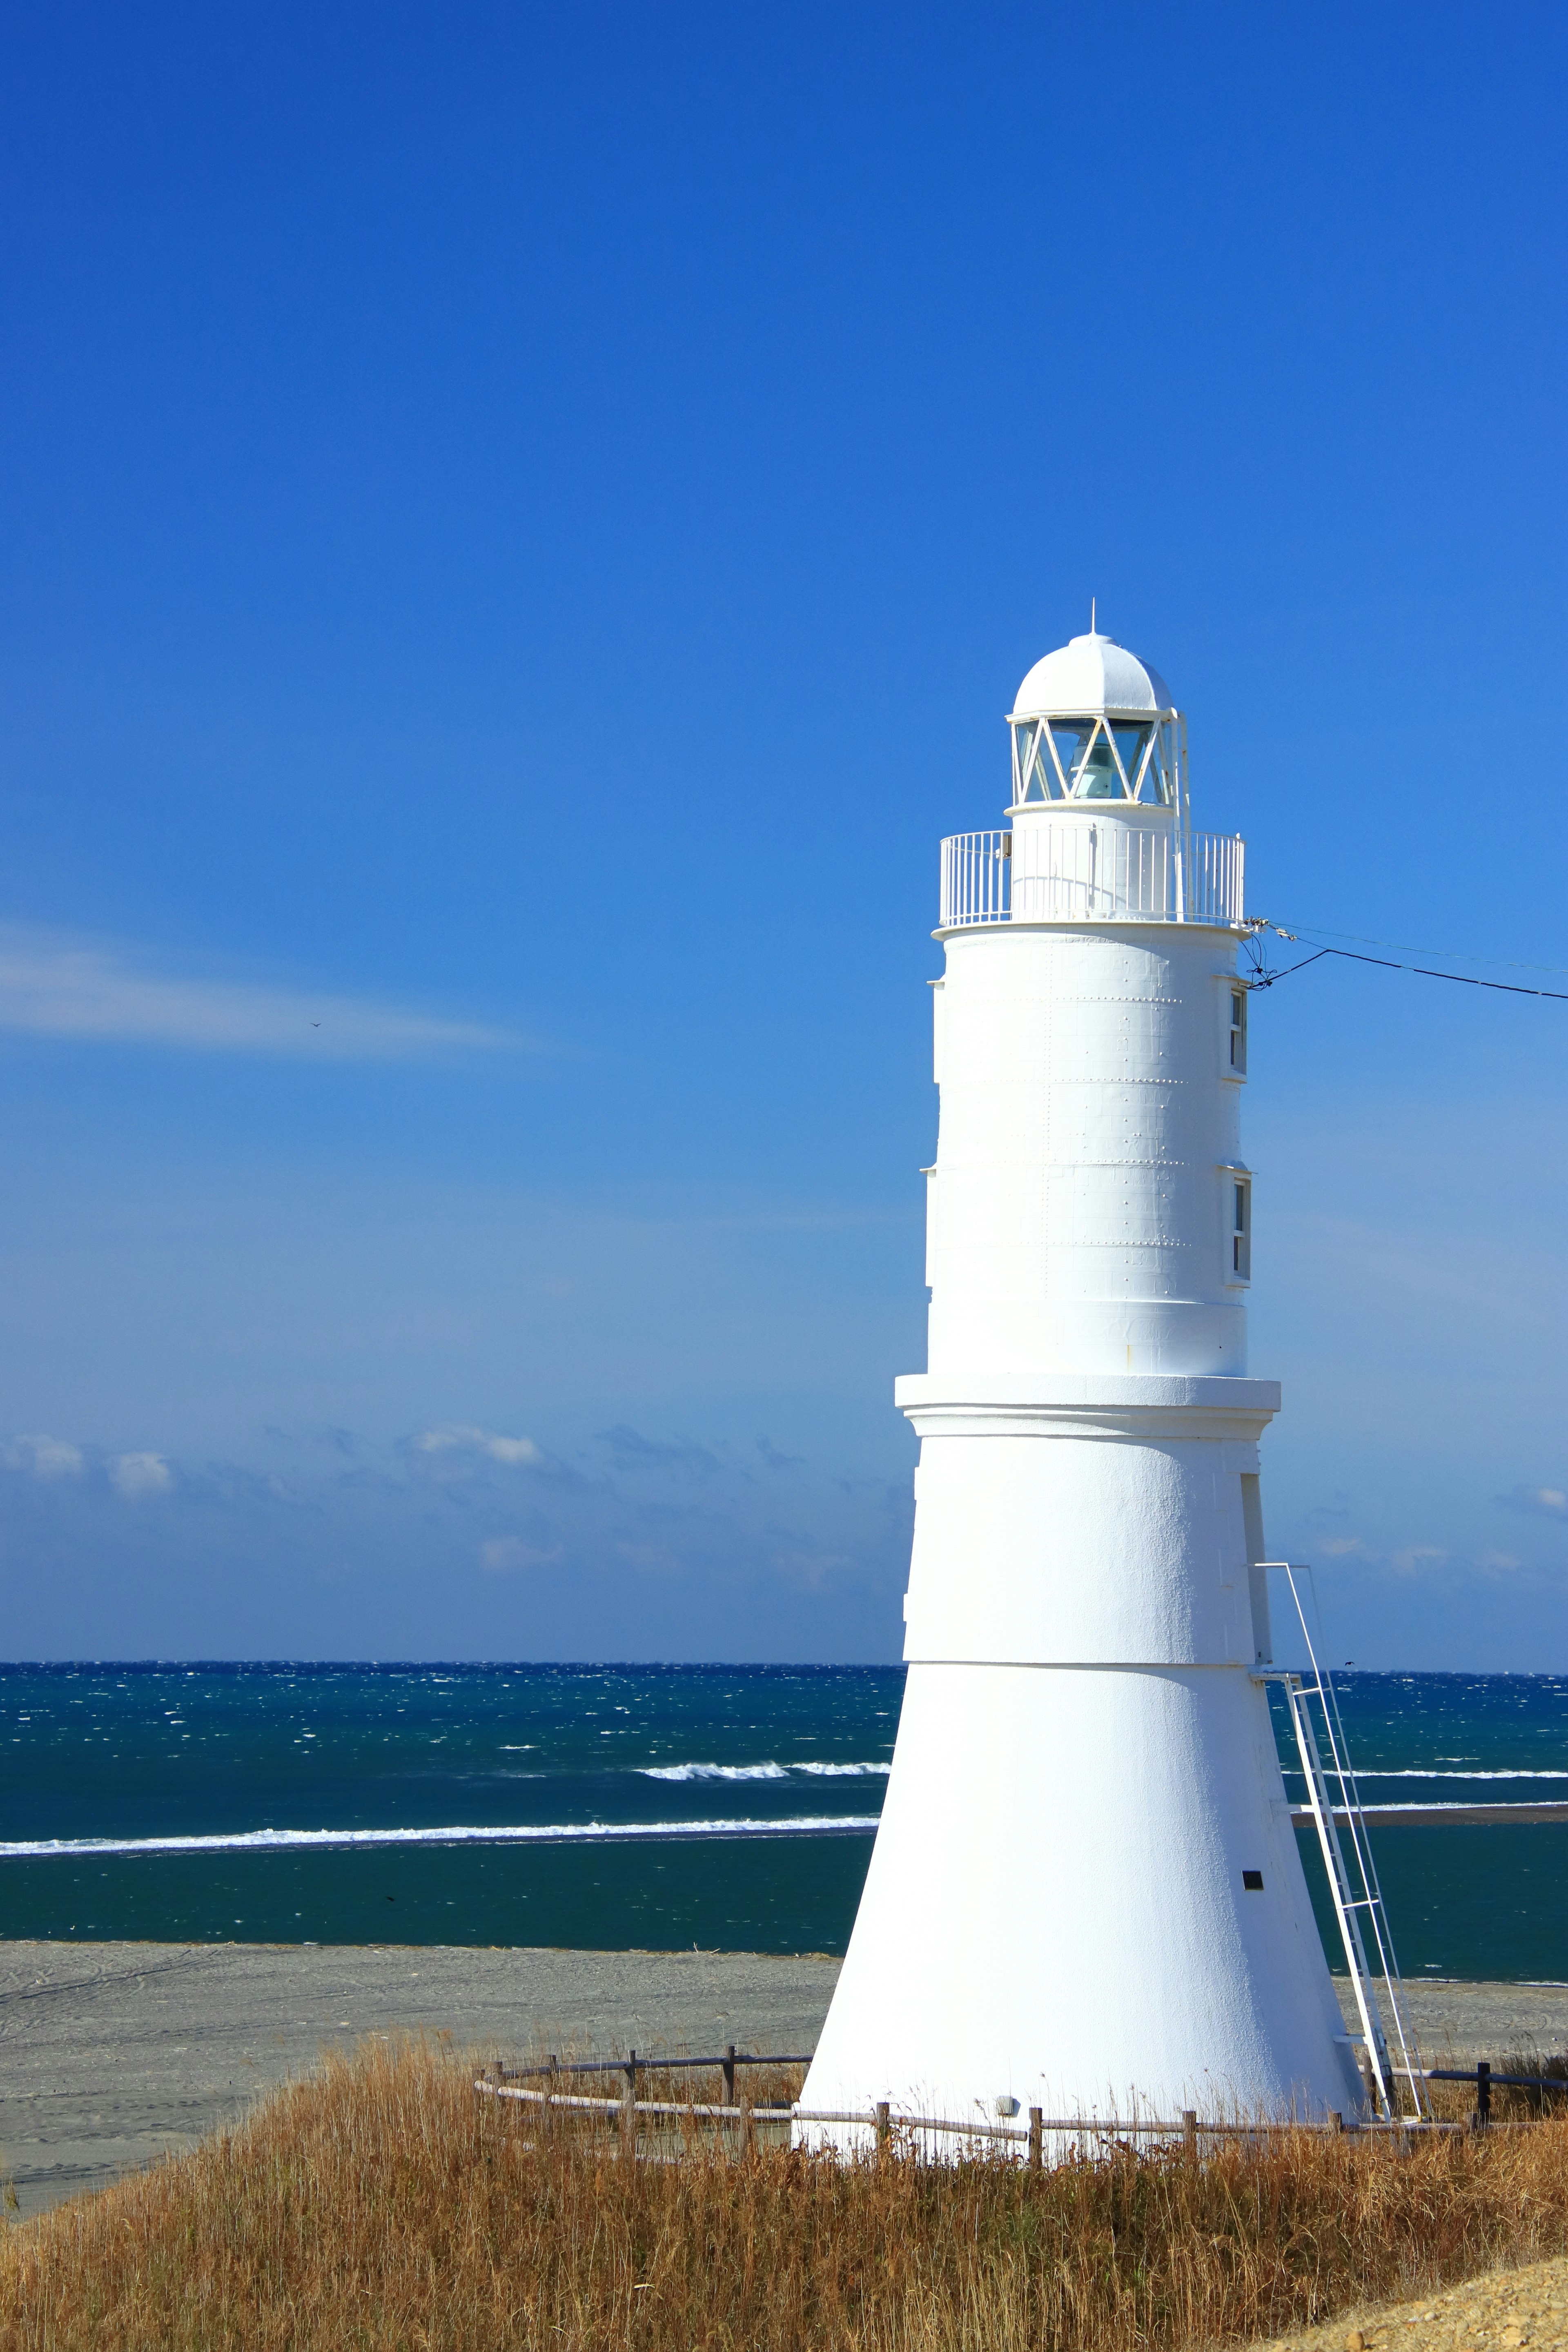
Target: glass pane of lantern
[(1071, 738), (1155, 787), (1131, 743), (1028, 779), (1046, 775), (1097, 777)]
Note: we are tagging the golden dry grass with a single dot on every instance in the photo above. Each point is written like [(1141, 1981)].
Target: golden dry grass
[(381, 2203)]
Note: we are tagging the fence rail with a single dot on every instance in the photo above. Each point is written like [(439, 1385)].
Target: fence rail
[(632, 2065), (885, 2125), (1091, 870)]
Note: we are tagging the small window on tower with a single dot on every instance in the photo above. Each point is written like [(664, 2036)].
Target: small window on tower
[(1239, 1031), (1241, 1229)]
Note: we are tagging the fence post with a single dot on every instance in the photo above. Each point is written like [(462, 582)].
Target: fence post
[(1483, 2114), (1190, 2134), (884, 2129), (629, 2110), (1036, 2138), (728, 2062)]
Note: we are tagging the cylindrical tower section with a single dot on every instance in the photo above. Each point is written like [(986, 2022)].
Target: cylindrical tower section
[(1081, 1205)]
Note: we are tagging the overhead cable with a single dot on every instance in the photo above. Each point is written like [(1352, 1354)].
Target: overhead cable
[(1409, 947), (1426, 972)]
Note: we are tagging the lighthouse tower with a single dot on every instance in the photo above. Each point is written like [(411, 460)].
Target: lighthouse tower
[(1085, 1891)]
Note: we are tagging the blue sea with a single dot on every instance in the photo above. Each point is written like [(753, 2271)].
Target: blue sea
[(731, 1807)]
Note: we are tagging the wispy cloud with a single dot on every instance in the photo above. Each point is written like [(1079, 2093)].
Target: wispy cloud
[(140, 1474), (65, 988), (633, 1451), (454, 1438), (504, 1555), (46, 1457), (1406, 1559), (1415, 1559), (1541, 1501), (55, 1458)]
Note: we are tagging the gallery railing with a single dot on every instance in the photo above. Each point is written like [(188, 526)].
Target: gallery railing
[(1084, 869)]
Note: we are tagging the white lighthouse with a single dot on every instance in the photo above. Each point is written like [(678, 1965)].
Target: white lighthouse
[(1085, 1890)]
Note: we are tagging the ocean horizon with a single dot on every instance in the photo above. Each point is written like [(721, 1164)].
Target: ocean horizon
[(618, 1806)]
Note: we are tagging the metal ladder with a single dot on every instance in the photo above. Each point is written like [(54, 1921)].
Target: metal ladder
[(1352, 1882)]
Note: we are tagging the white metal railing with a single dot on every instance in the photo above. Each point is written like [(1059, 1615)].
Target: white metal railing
[(1088, 871), (1216, 864), (976, 868)]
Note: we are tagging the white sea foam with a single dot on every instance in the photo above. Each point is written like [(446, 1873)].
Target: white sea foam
[(1414, 1772), (1453, 1805), (759, 1772), (534, 1833)]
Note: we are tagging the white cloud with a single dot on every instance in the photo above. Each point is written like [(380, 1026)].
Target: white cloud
[(504, 1553), (46, 1457), (55, 987), (1412, 1558), (454, 1438), (140, 1474), (1546, 1502)]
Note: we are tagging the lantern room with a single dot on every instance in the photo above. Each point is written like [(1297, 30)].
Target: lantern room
[(1093, 724)]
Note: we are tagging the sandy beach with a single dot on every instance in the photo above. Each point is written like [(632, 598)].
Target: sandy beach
[(111, 2054)]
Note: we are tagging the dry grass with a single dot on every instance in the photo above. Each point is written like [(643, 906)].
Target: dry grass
[(381, 2203)]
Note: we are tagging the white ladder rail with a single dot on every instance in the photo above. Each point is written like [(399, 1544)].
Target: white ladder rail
[(1361, 1843), (1347, 1904)]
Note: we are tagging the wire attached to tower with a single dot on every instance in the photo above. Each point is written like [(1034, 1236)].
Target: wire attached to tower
[(1264, 978)]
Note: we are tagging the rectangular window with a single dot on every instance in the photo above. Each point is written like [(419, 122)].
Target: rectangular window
[(1239, 1031), (1241, 1228)]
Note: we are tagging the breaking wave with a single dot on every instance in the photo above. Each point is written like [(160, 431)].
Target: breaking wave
[(759, 1772), (541, 1833), (1416, 1772)]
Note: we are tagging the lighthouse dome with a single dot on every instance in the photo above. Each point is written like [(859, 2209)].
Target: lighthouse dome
[(1090, 673)]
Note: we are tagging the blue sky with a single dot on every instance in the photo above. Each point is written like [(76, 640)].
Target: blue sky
[(520, 528)]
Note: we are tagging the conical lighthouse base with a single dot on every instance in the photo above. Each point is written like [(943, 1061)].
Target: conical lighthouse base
[(1085, 1894)]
